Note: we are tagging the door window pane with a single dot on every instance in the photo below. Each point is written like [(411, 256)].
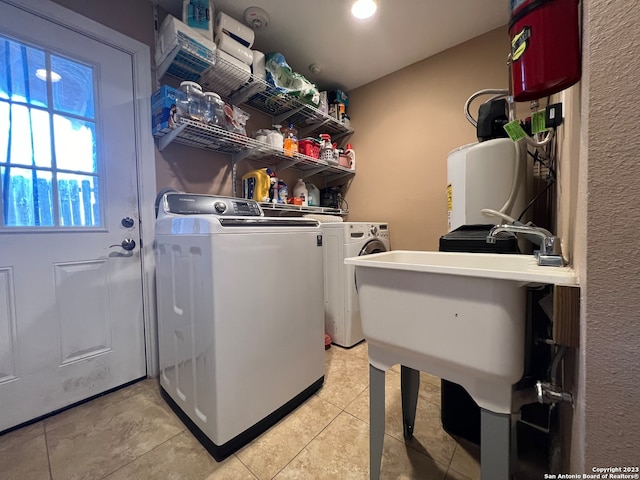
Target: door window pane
[(47, 181), (73, 93), (20, 70), (30, 135), (78, 200), (75, 142), (27, 198)]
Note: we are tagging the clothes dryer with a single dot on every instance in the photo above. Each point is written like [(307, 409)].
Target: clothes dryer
[(341, 307)]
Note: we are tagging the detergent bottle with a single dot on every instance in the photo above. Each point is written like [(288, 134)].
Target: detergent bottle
[(255, 185), (349, 152), (313, 197), (300, 191), (282, 191)]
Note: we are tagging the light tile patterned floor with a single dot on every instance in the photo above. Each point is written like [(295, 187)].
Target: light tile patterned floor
[(132, 434)]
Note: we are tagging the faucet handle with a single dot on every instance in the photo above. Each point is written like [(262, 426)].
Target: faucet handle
[(550, 254), (551, 246)]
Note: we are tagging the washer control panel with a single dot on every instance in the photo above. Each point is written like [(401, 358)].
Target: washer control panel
[(195, 204)]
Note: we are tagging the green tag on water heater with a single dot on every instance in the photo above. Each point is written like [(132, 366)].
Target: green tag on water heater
[(515, 131), (538, 122)]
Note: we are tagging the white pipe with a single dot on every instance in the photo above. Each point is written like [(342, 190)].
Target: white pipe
[(508, 205), (541, 143), (505, 211), (488, 212), (486, 91)]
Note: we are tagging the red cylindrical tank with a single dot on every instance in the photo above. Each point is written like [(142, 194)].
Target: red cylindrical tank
[(545, 47)]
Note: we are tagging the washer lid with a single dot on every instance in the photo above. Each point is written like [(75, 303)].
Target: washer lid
[(268, 222)]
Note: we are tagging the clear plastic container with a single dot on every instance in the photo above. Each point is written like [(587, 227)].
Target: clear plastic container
[(275, 137), (190, 101), (213, 112)]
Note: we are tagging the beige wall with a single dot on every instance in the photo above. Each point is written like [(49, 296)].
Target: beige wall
[(133, 18), (607, 424), (405, 124)]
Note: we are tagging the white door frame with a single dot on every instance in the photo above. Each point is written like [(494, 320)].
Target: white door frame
[(145, 149)]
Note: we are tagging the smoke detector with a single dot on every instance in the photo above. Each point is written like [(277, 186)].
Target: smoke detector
[(256, 18)]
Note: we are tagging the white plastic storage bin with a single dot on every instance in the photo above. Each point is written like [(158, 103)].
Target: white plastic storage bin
[(183, 52)]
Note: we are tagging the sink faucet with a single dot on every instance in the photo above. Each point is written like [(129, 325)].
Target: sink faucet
[(550, 253)]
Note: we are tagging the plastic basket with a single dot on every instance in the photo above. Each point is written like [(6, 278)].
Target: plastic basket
[(329, 155), (309, 147)]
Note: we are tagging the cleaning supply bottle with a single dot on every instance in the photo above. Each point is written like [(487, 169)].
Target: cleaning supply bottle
[(349, 152), (273, 186), (300, 191), (313, 196), (283, 193), (290, 140), (255, 185)]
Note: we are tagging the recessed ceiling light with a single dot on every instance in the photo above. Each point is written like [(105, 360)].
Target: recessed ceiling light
[(364, 8), (41, 73)]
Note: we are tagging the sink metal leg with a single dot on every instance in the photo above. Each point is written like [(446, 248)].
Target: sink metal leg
[(376, 420), (409, 386), (498, 446)]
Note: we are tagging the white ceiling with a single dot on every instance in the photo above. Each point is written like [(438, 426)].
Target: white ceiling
[(355, 52)]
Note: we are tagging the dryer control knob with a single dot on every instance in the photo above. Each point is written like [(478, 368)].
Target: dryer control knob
[(374, 230), (220, 207)]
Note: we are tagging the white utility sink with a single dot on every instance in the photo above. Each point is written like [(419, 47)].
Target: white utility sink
[(459, 316)]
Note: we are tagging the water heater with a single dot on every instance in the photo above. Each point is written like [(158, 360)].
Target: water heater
[(545, 47), (480, 175)]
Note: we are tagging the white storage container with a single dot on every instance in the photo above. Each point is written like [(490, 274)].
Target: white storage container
[(199, 15), (480, 175), (181, 51)]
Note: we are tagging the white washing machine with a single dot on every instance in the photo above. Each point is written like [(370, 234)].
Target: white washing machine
[(341, 307), (240, 344)]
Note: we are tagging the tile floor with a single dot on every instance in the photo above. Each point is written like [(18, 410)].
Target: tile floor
[(132, 434)]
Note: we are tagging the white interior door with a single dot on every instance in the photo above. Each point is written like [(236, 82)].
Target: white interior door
[(71, 319)]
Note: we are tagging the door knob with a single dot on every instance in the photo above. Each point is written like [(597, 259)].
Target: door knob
[(127, 244), (127, 222)]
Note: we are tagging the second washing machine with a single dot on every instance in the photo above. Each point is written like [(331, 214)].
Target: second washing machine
[(343, 240)]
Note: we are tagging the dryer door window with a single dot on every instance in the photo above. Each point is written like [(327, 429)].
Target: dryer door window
[(374, 246)]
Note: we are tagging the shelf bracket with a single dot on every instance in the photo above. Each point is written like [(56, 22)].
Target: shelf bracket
[(245, 93), (314, 171), (311, 128), (234, 178), (338, 176), (285, 165), (170, 137), (342, 135), (241, 155), (280, 118)]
